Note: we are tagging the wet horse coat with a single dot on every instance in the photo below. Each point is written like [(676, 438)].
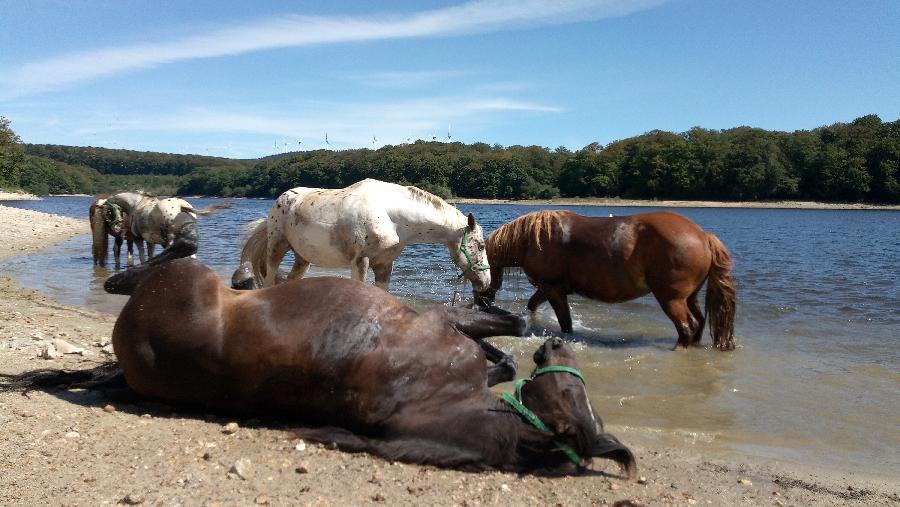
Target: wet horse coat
[(618, 259), (364, 225), (377, 376)]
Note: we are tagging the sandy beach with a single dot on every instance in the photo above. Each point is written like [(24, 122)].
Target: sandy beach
[(77, 447)]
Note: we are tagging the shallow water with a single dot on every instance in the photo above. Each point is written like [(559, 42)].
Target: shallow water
[(816, 378)]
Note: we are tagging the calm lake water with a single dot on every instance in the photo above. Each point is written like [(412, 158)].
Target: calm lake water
[(816, 377)]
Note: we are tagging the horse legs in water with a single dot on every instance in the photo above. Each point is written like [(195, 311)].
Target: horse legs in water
[(560, 304), (685, 323), (697, 312), (359, 269), (536, 300), (117, 252), (478, 325), (383, 266)]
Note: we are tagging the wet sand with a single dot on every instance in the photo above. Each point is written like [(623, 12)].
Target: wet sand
[(78, 447)]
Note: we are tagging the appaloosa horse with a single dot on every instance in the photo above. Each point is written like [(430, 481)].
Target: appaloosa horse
[(365, 371), (105, 222), (364, 225), (618, 259)]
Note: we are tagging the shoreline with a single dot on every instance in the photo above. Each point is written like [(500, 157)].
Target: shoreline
[(588, 201), (644, 203), (86, 453)]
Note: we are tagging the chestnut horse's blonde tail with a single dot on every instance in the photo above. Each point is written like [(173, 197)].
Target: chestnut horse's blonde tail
[(100, 243), (721, 296), (254, 251), (513, 239)]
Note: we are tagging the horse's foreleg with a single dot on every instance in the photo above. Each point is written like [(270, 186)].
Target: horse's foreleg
[(359, 269), (505, 365), (536, 300), (560, 304), (150, 248), (129, 245), (383, 274), (117, 251), (301, 265)]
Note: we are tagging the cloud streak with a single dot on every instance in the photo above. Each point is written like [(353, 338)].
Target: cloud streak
[(300, 31)]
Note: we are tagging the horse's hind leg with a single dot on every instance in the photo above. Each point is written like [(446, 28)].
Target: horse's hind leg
[(276, 246), (117, 251), (141, 253), (685, 324), (694, 306)]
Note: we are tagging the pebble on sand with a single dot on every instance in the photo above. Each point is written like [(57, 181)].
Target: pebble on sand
[(242, 468), (230, 428)]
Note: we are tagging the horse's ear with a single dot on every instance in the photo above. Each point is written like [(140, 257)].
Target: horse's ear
[(471, 221)]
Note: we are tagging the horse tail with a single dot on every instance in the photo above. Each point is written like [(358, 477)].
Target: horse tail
[(721, 296), (254, 251), (209, 210), (100, 243), (105, 375)]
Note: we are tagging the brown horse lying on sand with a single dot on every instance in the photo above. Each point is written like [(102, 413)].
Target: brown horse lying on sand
[(104, 223), (618, 259), (349, 358)]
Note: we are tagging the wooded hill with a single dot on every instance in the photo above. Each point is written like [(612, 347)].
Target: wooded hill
[(845, 162)]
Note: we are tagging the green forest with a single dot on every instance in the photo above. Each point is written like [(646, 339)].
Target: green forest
[(844, 162)]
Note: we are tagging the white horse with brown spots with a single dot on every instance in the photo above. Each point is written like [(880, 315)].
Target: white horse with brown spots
[(364, 225)]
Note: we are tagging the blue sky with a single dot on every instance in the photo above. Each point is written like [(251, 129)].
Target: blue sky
[(248, 79)]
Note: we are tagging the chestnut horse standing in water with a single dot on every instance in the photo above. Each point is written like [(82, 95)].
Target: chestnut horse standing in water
[(617, 259), (348, 357)]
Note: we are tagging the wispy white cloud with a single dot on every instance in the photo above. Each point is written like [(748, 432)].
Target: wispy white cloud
[(407, 79), (348, 124), (297, 31)]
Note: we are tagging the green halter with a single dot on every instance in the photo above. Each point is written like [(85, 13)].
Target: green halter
[(473, 266), (531, 417)]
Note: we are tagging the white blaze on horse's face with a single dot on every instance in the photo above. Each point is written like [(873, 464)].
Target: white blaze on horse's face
[(471, 256)]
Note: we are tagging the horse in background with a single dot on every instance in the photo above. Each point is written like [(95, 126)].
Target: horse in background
[(356, 365), (364, 225), (170, 222), (104, 223), (619, 259)]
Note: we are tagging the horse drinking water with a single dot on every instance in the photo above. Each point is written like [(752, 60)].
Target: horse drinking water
[(170, 222), (618, 259), (109, 221), (364, 225)]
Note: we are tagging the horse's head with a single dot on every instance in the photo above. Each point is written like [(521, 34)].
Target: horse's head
[(470, 255), (557, 395), (114, 216)]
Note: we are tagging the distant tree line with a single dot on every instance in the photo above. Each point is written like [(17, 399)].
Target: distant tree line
[(844, 162)]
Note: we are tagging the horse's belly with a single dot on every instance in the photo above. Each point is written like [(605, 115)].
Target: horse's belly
[(314, 244)]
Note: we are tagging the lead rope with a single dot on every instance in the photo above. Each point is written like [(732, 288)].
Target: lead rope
[(532, 418)]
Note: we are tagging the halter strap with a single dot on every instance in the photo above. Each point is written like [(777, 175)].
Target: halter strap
[(531, 417), (473, 266)]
